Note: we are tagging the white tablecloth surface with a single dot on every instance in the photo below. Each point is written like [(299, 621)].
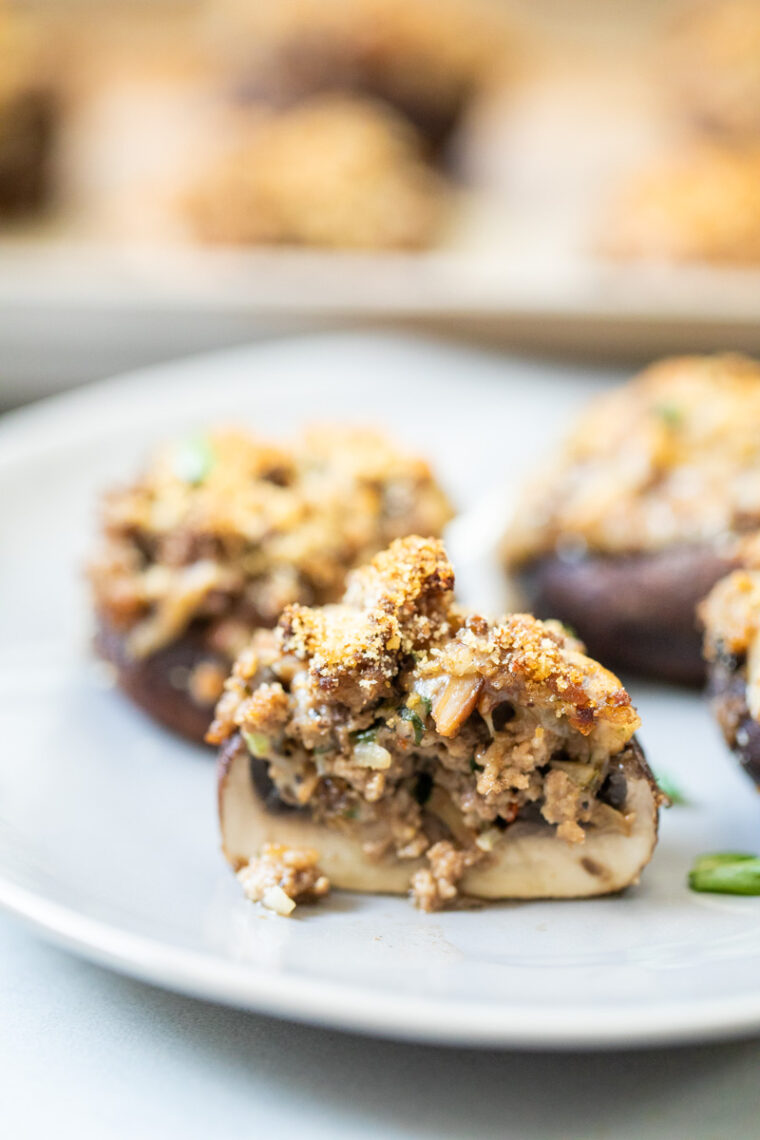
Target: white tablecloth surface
[(89, 1054)]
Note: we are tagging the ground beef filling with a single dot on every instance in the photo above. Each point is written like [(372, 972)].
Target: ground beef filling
[(425, 733)]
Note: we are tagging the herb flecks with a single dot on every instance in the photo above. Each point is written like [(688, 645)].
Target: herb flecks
[(670, 414), (726, 873), (366, 735), (411, 716), (193, 459)]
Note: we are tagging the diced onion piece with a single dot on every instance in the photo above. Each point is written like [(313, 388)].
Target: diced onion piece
[(274, 898), (454, 703), (488, 839), (258, 743), (367, 754)]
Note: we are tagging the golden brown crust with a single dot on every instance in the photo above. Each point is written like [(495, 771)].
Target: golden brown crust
[(333, 172), (730, 614), (671, 458)]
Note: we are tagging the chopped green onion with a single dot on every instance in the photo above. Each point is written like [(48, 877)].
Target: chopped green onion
[(419, 728), (258, 743), (670, 414), (426, 703), (727, 873), (193, 460), (671, 789), (367, 735)]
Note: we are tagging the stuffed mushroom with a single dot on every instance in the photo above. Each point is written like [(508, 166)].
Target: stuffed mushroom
[(731, 618), (393, 743), (699, 204), (220, 532), (332, 172), (631, 525)]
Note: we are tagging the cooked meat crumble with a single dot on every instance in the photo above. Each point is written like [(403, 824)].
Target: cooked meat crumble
[(420, 730), (673, 457), (225, 530), (281, 877)]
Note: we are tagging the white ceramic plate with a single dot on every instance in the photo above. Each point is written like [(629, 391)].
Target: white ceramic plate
[(108, 837)]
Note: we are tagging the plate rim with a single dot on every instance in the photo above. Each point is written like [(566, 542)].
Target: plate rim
[(354, 1009)]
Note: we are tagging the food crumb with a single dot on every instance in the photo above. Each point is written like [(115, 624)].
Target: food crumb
[(280, 877), (434, 887)]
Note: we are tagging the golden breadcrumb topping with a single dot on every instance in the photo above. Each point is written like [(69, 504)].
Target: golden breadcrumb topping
[(671, 457), (701, 204), (229, 529), (400, 719), (333, 172), (730, 614)]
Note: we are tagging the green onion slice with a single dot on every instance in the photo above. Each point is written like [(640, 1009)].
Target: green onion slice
[(367, 735), (193, 460), (259, 744), (727, 873), (419, 728)]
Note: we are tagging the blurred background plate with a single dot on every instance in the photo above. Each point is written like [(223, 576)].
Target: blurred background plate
[(101, 310), (538, 249)]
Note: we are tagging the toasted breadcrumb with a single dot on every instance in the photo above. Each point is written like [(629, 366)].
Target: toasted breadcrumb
[(280, 877)]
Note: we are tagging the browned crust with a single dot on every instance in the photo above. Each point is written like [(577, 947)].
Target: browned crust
[(634, 612), (153, 683)]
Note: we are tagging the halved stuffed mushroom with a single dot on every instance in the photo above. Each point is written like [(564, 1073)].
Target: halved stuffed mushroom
[(409, 746), (220, 532), (641, 512)]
